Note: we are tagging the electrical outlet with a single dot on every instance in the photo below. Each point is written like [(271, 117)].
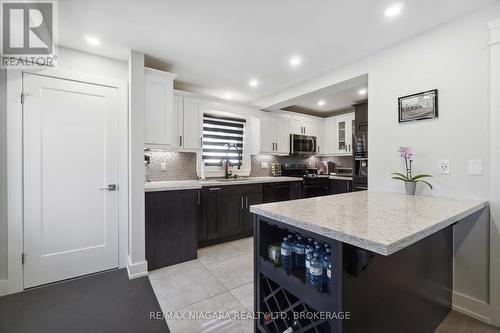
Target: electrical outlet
[(444, 166), (163, 167), (264, 165)]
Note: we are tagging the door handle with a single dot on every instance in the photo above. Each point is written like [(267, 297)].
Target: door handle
[(242, 198), (246, 200), (214, 189), (110, 187)]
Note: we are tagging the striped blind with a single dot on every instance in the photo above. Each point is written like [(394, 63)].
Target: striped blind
[(218, 133)]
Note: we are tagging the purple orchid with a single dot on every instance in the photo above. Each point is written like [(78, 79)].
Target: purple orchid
[(406, 152)]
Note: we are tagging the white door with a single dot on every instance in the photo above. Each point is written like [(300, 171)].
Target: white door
[(70, 157)]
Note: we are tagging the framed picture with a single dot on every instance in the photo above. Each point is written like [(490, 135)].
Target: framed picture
[(419, 106)]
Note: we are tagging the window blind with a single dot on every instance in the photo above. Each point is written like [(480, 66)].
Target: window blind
[(218, 133)]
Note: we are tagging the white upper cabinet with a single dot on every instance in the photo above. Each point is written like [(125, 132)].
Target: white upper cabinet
[(192, 127), (160, 116), (339, 131), (274, 135), (302, 125)]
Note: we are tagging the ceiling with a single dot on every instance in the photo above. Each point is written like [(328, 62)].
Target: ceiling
[(216, 47), (334, 99)]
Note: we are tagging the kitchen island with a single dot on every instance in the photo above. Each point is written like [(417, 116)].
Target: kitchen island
[(391, 256)]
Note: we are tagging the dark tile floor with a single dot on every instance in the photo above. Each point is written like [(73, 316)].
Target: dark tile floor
[(102, 303)]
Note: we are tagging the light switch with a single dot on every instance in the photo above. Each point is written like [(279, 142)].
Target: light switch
[(163, 167), (475, 167), (264, 165)]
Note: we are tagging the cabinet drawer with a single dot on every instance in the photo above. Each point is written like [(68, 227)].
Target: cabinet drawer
[(229, 190)]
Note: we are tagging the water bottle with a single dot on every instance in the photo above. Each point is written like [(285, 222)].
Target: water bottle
[(316, 272), (326, 261), (310, 241), (307, 273), (286, 254), (300, 252), (309, 249), (329, 276), (319, 249), (291, 243)]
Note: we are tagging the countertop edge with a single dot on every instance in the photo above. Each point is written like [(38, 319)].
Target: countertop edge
[(370, 245), (200, 184)]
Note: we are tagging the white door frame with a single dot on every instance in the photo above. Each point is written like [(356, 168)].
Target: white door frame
[(494, 175), (15, 167)]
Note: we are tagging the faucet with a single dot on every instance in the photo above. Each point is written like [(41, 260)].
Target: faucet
[(228, 172)]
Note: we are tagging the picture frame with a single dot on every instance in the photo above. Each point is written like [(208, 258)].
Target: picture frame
[(423, 105)]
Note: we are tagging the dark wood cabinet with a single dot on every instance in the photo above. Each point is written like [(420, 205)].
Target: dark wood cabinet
[(211, 214), (281, 191), (226, 213), (338, 186), (232, 210), (171, 222), (296, 190)]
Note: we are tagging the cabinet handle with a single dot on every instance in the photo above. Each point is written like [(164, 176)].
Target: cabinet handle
[(242, 198), (276, 146), (201, 142), (318, 149), (246, 200), (199, 197), (214, 189), (180, 140)]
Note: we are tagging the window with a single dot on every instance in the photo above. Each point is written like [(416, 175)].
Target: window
[(218, 134)]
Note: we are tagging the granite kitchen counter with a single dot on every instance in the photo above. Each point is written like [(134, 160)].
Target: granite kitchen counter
[(198, 184), (380, 222)]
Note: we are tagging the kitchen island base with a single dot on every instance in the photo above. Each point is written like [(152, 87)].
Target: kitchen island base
[(408, 291)]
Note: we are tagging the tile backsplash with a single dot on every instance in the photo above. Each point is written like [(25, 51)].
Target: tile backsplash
[(178, 166), (182, 166), (257, 171)]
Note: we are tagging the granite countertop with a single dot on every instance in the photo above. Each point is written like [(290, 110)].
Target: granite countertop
[(380, 222), (197, 184), (341, 177)]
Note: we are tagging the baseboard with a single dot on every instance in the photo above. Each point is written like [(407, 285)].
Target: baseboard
[(3, 288), (471, 307), (136, 270)]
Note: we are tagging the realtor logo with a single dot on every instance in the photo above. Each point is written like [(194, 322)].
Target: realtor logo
[(28, 33)]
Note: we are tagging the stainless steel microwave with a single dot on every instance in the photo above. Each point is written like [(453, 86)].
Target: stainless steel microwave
[(303, 145)]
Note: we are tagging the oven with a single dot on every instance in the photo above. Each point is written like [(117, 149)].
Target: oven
[(303, 145)]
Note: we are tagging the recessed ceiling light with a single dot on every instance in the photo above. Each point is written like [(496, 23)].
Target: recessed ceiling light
[(393, 10), (295, 61), (228, 96), (253, 83), (362, 91), (92, 40), (321, 102)]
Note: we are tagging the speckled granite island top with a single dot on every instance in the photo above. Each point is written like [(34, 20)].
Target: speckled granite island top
[(380, 222)]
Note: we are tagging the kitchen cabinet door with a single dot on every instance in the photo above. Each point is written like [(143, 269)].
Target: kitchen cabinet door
[(171, 219), (338, 186), (193, 124), (160, 117), (209, 227), (250, 199), (274, 192), (232, 215), (330, 141), (296, 190), (274, 136), (344, 128)]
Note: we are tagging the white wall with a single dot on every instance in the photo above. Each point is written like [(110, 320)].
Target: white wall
[(454, 59), (3, 176), (77, 61)]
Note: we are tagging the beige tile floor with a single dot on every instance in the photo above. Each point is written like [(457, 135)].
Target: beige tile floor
[(221, 279)]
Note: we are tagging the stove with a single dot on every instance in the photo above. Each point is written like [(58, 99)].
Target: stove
[(314, 185)]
